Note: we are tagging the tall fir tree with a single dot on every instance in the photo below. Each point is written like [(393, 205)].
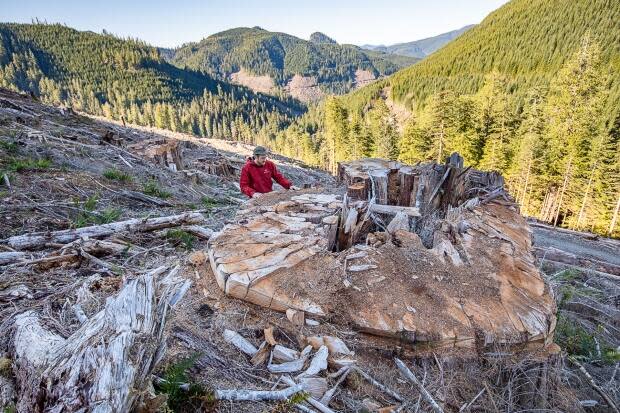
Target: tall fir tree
[(574, 127)]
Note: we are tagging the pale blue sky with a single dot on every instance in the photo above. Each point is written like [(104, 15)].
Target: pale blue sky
[(171, 23)]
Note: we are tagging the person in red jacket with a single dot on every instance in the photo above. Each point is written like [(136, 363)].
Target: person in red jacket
[(257, 175)]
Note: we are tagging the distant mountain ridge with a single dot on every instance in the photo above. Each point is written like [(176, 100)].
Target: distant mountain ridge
[(321, 38), (318, 66), (127, 79), (423, 47)]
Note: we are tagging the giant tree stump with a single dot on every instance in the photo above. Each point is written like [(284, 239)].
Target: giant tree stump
[(456, 269)]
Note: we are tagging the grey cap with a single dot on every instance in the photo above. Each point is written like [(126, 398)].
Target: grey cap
[(260, 150)]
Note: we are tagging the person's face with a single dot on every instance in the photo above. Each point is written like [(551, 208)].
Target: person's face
[(260, 160)]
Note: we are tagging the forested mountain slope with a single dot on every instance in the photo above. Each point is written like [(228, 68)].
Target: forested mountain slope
[(423, 47), (127, 79), (280, 56), (532, 92)]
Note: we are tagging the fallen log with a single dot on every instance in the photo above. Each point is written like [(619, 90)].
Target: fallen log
[(11, 257), (39, 239), (255, 395), (291, 366), (240, 342), (105, 363), (557, 255), (198, 231), (71, 253)]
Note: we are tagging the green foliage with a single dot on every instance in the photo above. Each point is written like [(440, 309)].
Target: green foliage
[(282, 56), (20, 165), (116, 175), (580, 340), (152, 188), (89, 216), (9, 147), (181, 237), (210, 203), (127, 79), (194, 398), (533, 92), (581, 344), (526, 41), (288, 406)]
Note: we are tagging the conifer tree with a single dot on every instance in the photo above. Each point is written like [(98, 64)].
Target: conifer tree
[(525, 175), (336, 131), (494, 123), (414, 143), (574, 126)]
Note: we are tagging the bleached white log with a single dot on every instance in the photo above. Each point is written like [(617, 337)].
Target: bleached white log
[(240, 342), (361, 267), (291, 366), (11, 257), (318, 363), (284, 354), (256, 395), (103, 365), (197, 230), (39, 239), (356, 255)]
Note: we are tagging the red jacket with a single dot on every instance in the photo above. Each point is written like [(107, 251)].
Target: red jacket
[(256, 178)]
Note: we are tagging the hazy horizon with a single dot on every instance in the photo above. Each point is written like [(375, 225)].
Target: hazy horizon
[(160, 24)]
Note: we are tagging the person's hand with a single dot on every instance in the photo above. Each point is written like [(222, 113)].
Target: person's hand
[(257, 195), (294, 188)]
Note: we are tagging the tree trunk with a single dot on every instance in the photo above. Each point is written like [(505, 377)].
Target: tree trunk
[(614, 219), (102, 366), (39, 239), (564, 185)]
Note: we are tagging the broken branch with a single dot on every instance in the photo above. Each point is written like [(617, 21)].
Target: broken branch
[(413, 379)]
